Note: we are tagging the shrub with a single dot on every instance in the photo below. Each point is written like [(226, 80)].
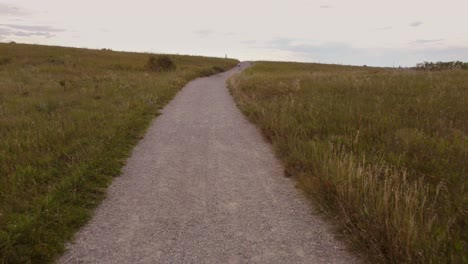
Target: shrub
[(160, 64), (439, 66)]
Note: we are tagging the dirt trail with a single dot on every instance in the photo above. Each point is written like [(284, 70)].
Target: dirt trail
[(203, 186)]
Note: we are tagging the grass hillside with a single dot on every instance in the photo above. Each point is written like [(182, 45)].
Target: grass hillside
[(382, 151), (68, 120)]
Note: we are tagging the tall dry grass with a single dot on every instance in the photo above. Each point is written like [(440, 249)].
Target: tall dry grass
[(382, 151)]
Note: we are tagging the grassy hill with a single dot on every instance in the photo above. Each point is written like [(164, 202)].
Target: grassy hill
[(68, 120), (383, 151)]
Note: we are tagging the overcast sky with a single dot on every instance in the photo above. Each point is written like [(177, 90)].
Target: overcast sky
[(372, 32)]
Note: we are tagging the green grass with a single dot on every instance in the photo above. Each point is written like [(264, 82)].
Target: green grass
[(68, 120), (382, 151)]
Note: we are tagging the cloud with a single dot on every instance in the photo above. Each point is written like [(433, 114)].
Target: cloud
[(425, 41), (295, 45), (383, 28), (344, 53), (9, 10), (27, 31), (280, 43), (4, 31), (33, 28), (249, 43), (30, 34), (204, 33), (325, 6), (207, 33), (416, 24)]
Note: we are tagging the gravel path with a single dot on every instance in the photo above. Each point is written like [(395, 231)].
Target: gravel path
[(203, 186)]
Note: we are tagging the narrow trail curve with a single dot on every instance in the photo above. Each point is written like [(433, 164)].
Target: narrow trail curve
[(203, 186)]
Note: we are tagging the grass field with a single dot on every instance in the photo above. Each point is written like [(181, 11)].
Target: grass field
[(68, 120), (382, 151)]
